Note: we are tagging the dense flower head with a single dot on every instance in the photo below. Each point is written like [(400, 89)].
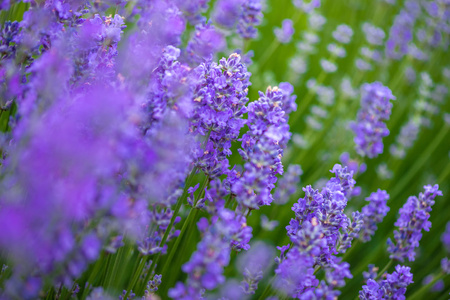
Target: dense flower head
[(9, 38), (226, 13), (400, 34), (287, 185), (445, 237), (205, 42), (227, 231), (390, 286), (262, 148), (295, 273), (251, 16), (445, 265), (253, 264), (374, 35), (319, 231), (307, 6), (219, 105), (193, 9), (370, 127), (413, 219), (343, 34), (373, 213), (284, 34)]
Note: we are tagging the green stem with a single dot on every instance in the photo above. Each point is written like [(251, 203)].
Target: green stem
[(267, 290), (418, 293), (186, 224), (346, 254), (275, 43), (268, 53), (400, 185), (94, 273), (180, 201), (386, 267)]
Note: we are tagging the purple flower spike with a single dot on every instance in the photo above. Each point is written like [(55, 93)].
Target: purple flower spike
[(307, 6), (392, 287), (445, 238), (227, 231), (205, 43), (262, 147), (319, 231), (284, 34), (343, 34), (219, 105), (413, 218), (373, 213), (251, 17), (287, 186), (226, 12), (370, 127)]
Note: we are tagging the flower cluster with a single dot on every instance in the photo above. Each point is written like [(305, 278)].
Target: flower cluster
[(287, 185), (205, 268), (373, 213), (262, 146), (413, 219), (370, 127), (112, 112), (220, 100), (392, 286), (315, 232)]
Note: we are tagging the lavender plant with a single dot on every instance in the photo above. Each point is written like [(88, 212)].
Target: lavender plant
[(153, 149)]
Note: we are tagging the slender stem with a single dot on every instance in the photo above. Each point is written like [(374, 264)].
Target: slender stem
[(136, 276), (275, 43), (192, 214), (400, 185), (418, 293), (267, 290), (386, 267), (268, 53), (172, 221), (347, 253)]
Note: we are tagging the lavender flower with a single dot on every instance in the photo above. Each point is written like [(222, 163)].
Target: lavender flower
[(343, 34), (351, 232), (204, 43), (250, 17), (392, 287), (307, 6), (445, 265), (284, 34), (373, 213), (413, 218), (253, 264), (226, 13), (438, 286), (370, 127), (219, 104), (287, 186), (400, 34), (445, 237), (205, 268), (262, 147), (193, 9), (374, 35), (315, 232), (152, 285)]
